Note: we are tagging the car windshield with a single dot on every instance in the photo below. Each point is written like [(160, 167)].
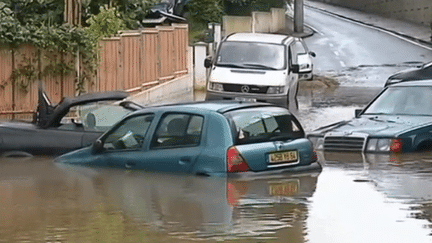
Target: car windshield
[(96, 116), (252, 55), (265, 124), (415, 101)]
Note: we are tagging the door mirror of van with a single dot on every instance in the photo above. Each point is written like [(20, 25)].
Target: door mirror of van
[(312, 54), (208, 62), (295, 68)]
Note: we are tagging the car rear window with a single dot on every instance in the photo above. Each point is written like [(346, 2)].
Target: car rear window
[(262, 124)]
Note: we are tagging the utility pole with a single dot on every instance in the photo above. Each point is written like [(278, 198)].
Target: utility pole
[(298, 16)]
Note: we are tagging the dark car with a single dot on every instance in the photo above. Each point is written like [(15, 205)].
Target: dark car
[(204, 138), (423, 72), (74, 123), (398, 120)]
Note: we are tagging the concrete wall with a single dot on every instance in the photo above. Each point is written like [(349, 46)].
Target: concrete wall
[(233, 24), (199, 71), (262, 22), (278, 20), (418, 11)]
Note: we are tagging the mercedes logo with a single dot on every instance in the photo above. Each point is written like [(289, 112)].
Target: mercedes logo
[(245, 89)]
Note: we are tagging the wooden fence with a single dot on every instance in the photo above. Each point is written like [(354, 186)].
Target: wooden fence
[(133, 61)]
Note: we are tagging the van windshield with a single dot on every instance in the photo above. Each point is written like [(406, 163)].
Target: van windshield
[(263, 124), (252, 55)]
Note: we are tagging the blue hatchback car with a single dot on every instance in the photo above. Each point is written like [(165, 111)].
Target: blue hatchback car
[(204, 138)]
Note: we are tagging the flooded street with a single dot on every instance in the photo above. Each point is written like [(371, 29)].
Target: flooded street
[(356, 198)]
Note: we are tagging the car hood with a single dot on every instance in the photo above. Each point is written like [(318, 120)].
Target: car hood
[(382, 125), (49, 115), (248, 76), (404, 74)]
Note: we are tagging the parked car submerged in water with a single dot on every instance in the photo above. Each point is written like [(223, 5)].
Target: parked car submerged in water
[(398, 120), (74, 123), (204, 138)]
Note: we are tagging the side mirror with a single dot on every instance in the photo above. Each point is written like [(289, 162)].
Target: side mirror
[(295, 68), (208, 62), (312, 54), (97, 146), (357, 112)]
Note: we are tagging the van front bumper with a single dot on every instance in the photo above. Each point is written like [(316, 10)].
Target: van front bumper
[(280, 99)]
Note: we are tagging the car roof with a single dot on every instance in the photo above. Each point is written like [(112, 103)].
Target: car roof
[(259, 37), (425, 82), (63, 107), (215, 106)]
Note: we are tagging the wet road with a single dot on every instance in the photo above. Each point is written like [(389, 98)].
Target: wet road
[(354, 199), (359, 55)]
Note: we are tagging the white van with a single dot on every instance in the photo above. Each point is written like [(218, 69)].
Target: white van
[(254, 67)]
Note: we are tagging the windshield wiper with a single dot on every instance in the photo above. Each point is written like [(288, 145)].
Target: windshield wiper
[(376, 114), (230, 65), (257, 65)]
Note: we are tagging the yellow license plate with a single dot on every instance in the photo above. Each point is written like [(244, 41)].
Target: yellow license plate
[(281, 157), (284, 189)]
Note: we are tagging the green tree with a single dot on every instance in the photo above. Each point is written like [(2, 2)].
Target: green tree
[(106, 23), (200, 14)]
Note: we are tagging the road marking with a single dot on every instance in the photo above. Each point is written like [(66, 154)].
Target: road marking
[(336, 53), (331, 45), (372, 27), (342, 63)]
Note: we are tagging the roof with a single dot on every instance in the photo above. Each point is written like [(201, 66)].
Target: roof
[(220, 106), (426, 82), (258, 37), (63, 107)]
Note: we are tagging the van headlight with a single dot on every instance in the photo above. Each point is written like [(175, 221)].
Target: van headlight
[(275, 89), (379, 145), (304, 66), (216, 86)]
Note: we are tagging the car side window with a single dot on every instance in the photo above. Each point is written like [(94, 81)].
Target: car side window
[(178, 130), (129, 134)]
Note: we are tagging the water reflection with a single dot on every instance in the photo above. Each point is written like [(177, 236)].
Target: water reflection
[(42, 201), (404, 181)]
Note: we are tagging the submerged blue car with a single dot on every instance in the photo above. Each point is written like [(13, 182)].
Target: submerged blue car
[(204, 138)]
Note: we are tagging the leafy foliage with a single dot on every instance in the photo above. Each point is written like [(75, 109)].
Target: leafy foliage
[(200, 14), (246, 7), (107, 23)]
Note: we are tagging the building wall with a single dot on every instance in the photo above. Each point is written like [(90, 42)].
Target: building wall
[(418, 11)]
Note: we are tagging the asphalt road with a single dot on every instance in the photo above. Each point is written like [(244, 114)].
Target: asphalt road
[(358, 54)]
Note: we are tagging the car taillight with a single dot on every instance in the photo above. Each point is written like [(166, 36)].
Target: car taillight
[(396, 145), (235, 162), (314, 157)]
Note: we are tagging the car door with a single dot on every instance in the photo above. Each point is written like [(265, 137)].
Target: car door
[(123, 145), (176, 143)]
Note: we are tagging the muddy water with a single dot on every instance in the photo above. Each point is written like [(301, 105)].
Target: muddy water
[(356, 198)]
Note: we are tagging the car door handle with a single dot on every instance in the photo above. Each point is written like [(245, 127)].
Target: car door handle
[(184, 160), (129, 165)]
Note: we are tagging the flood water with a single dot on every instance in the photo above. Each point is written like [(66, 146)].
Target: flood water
[(356, 198)]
